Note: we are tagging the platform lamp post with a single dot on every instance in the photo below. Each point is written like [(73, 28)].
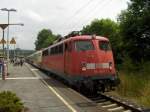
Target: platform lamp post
[(3, 26), (8, 10)]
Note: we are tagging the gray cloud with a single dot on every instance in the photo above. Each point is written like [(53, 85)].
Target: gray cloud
[(59, 16)]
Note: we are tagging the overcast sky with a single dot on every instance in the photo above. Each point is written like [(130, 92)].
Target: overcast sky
[(61, 16)]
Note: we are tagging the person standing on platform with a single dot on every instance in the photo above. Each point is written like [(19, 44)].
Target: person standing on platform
[(21, 62)]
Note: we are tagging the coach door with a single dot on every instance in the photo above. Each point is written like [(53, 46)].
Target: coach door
[(67, 60)]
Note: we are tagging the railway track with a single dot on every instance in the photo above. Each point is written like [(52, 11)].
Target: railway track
[(110, 103), (113, 104)]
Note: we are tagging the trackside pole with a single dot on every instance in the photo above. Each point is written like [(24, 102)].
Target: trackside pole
[(3, 70)]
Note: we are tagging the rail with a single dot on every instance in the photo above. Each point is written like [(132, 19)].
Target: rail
[(113, 104)]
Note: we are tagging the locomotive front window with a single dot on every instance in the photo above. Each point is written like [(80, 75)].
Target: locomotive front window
[(84, 45), (104, 45)]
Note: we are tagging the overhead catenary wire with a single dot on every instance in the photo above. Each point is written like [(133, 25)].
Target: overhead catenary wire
[(84, 11), (91, 15), (86, 14), (108, 2), (93, 9), (77, 12)]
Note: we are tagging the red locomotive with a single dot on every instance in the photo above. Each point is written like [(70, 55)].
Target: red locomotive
[(84, 61)]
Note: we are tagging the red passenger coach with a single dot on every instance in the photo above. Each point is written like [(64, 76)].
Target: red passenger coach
[(85, 61)]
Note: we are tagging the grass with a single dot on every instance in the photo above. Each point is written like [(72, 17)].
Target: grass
[(136, 85)]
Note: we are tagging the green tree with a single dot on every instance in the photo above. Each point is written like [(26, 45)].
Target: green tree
[(44, 39), (109, 29), (135, 30)]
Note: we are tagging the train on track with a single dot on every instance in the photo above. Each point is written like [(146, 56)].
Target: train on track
[(84, 61)]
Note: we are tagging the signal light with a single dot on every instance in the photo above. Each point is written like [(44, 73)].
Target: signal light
[(110, 65), (83, 66)]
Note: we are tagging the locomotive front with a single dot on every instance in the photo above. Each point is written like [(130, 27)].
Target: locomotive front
[(96, 64)]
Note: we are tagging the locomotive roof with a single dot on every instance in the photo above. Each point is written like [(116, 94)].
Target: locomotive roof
[(84, 37), (80, 37)]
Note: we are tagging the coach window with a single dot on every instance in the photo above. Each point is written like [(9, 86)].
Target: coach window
[(49, 51), (52, 51), (70, 47), (66, 46), (45, 52), (60, 48), (57, 49)]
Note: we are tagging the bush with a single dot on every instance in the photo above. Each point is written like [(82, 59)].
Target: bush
[(146, 68), (128, 65), (9, 102)]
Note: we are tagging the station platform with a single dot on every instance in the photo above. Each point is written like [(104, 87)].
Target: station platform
[(41, 93)]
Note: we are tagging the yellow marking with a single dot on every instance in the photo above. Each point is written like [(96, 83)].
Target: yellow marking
[(34, 69), (60, 97), (54, 91)]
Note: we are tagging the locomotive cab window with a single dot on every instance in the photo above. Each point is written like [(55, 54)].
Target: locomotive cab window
[(104, 45), (84, 45), (45, 52)]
